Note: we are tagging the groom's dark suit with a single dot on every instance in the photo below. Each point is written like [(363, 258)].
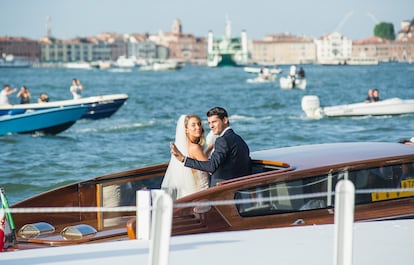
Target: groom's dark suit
[(230, 159)]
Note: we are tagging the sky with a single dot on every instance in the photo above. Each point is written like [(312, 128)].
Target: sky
[(355, 19)]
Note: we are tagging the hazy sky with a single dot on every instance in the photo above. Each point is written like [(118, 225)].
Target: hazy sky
[(78, 18)]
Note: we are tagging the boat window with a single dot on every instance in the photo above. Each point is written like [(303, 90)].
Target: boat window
[(370, 182), (283, 197), (115, 194), (317, 192)]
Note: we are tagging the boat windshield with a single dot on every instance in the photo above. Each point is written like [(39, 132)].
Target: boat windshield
[(317, 192)]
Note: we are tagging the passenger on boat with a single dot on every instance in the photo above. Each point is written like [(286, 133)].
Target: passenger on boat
[(76, 88), (43, 98), (179, 180), (370, 97), (292, 71), (407, 141), (24, 95), (5, 93), (230, 157), (301, 73), (375, 95)]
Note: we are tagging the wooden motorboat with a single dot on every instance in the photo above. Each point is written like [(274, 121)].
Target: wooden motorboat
[(393, 106), (98, 106), (310, 245), (47, 121), (291, 186)]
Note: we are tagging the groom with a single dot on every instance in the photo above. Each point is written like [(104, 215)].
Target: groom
[(230, 158)]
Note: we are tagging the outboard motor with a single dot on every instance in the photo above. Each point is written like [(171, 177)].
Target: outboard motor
[(311, 106)]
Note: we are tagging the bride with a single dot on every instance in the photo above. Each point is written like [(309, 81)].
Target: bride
[(179, 180)]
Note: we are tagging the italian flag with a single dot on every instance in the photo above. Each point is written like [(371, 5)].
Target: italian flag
[(2, 229)]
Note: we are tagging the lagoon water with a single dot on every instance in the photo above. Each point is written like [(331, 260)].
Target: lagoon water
[(138, 134)]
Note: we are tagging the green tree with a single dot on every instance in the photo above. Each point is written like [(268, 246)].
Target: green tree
[(385, 30)]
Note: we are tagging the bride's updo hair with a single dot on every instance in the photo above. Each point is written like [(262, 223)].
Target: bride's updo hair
[(202, 139)]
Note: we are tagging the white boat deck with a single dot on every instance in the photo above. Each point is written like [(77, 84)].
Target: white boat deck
[(385, 242)]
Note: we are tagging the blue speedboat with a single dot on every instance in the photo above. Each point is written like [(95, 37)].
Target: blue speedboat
[(47, 121), (98, 106)]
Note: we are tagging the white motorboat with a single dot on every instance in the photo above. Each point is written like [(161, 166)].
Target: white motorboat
[(393, 106), (290, 83), (11, 61), (262, 78), (78, 65), (264, 75), (161, 66), (125, 62), (257, 70)]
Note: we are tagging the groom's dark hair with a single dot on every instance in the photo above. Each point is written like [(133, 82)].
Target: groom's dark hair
[(219, 111)]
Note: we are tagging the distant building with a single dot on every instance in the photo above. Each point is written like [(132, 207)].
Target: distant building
[(407, 30), (181, 47), (283, 49), (333, 48), (20, 47)]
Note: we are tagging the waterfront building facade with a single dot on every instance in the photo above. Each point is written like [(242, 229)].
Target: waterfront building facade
[(273, 49), (283, 49), (20, 47), (333, 48)]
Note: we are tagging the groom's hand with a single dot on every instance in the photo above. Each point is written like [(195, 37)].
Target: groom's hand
[(175, 152)]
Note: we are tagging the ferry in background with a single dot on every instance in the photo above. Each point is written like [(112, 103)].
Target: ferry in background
[(227, 51)]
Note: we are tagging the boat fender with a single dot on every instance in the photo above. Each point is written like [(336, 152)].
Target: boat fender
[(311, 107)]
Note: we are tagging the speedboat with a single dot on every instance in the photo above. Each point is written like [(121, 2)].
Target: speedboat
[(393, 106), (257, 70), (161, 66), (290, 186), (98, 106), (264, 75), (290, 83), (47, 121), (263, 78)]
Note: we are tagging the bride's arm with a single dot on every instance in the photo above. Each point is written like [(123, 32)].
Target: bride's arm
[(197, 153)]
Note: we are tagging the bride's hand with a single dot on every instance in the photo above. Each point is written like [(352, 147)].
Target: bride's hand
[(175, 152)]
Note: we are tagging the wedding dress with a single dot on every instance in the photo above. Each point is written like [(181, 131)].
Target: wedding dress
[(179, 180)]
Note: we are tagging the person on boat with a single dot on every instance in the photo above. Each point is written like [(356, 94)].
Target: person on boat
[(292, 75), (230, 157), (179, 180), (76, 89), (407, 141), (370, 97), (24, 95), (265, 74), (292, 71), (5, 93), (301, 73), (375, 95), (43, 98)]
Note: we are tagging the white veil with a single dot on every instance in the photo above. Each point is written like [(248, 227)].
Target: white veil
[(178, 180)]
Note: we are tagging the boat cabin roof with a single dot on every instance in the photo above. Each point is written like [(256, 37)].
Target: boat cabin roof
[(320, 155)]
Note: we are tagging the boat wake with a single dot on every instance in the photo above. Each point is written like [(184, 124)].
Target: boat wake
[(114, 128)]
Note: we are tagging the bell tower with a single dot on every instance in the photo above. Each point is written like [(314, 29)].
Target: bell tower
[(176, 27)]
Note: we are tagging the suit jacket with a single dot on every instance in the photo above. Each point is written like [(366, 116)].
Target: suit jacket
[(230, 159)]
